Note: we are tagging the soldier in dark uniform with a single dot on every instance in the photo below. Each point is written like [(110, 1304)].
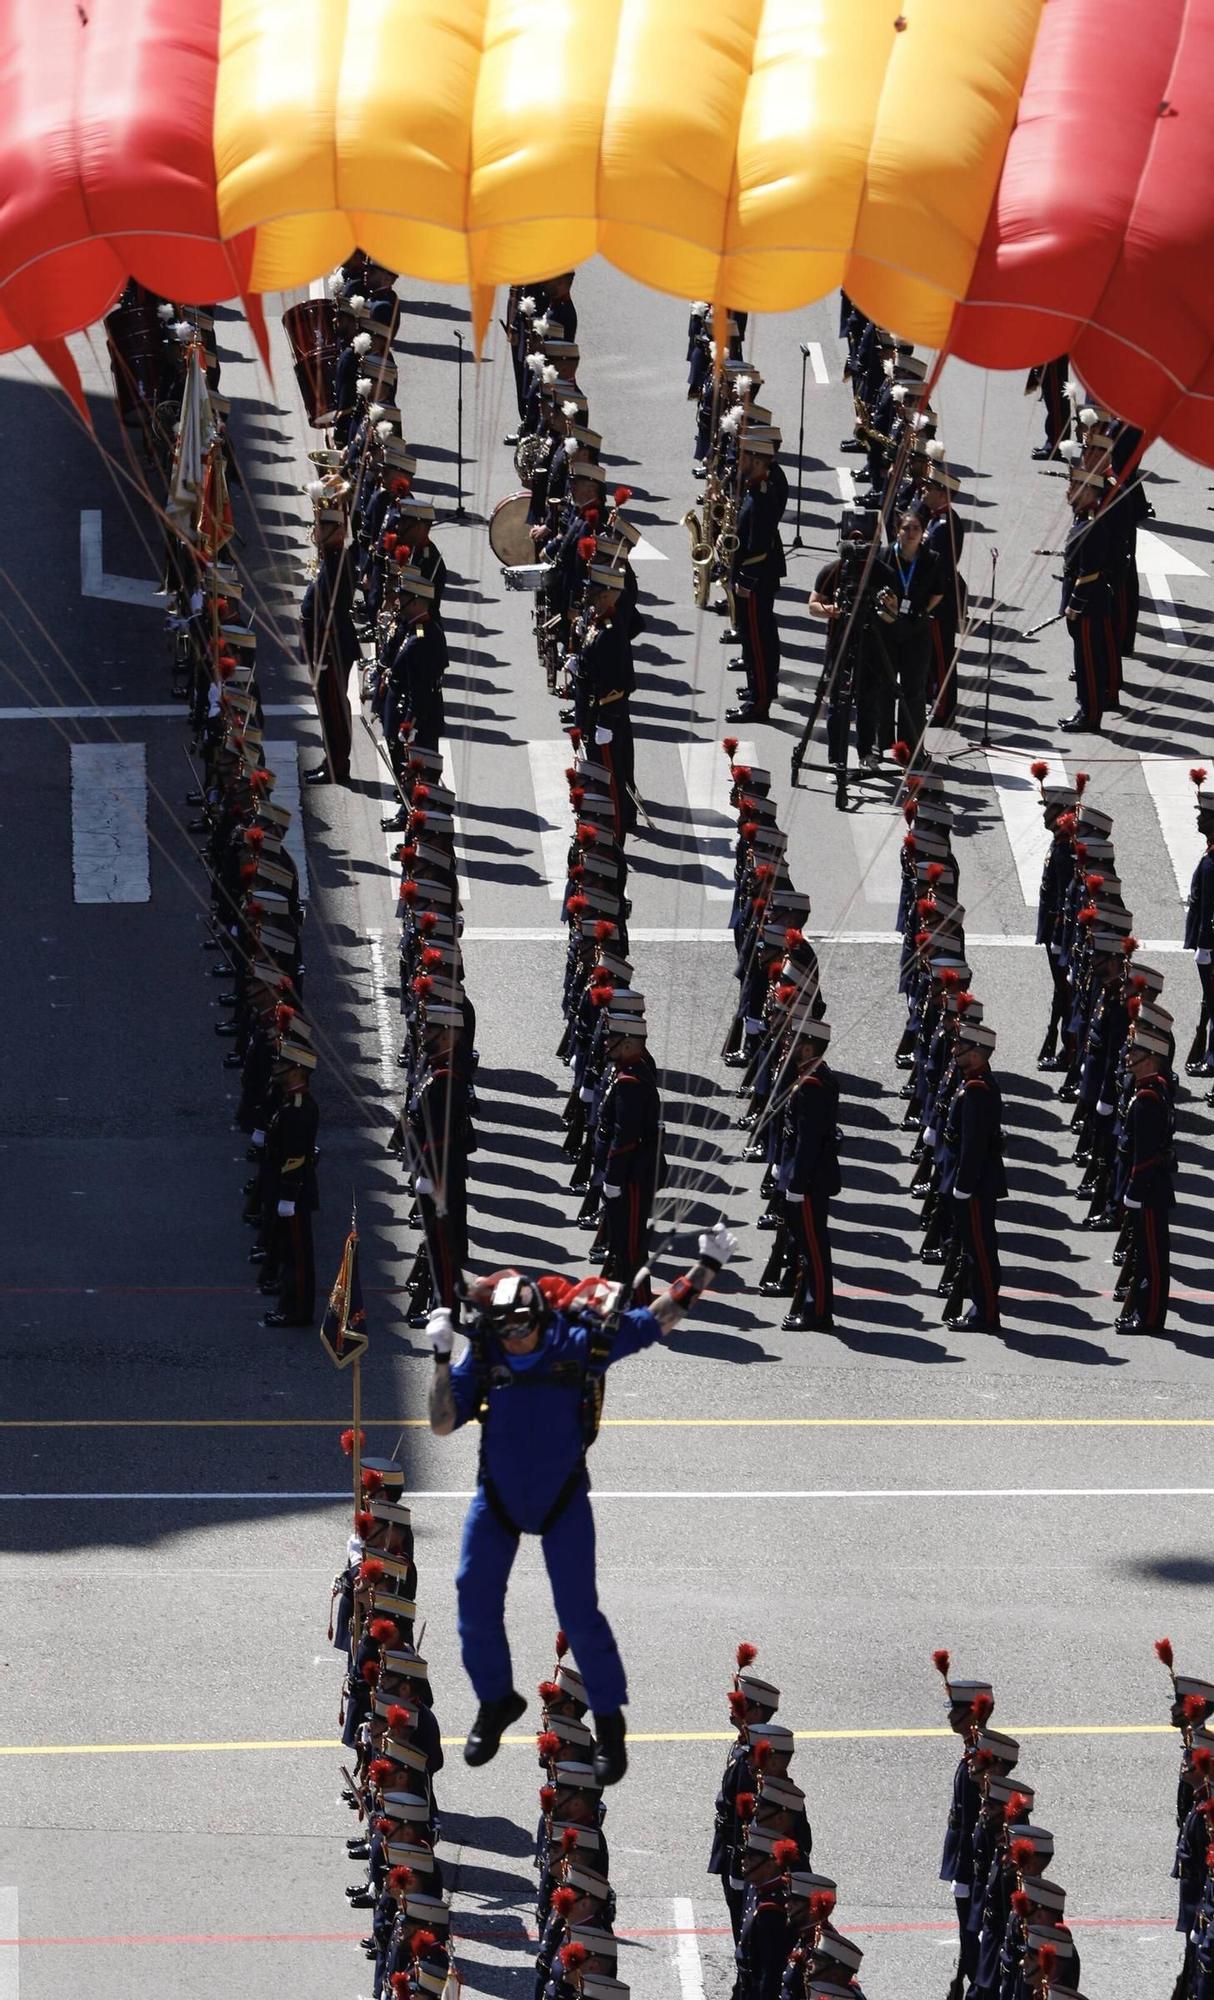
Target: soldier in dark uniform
[(761, 1951), (1087, 602), (330, 644), (1199, 930), (628, 1146), (603, 684), (1051, 380), (944, 538), (810, 1157), (976, 1135), (418, 659), (1058, 804), (1150, 1186), (756, 573), (290, 1186), (752, 1703), (970, 1704), (437, 1118)]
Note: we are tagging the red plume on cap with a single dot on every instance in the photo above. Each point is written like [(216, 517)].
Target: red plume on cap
[(548, 1691), (364, 1522), (1093, 882), (785, 1852), (370, 1672), (949, 977), (562, 1643), (1047, 1958), (922, 938), (793, 938), (1133, 1006), (563, 1900), (764, 872), (423, 983), (934, 870), (400, 1878), (603, 930), (1065, 823), (409, 891), (590, 513), (548, 1743), (760, 1755), (399, 1718), (1087, 915), (373, 1479), (748, 829), (1129, 944), (964, 1002), (586, 547), (1198, 775), (785, 993), (370, 1570), (926, 905), (427, 920), (423, 1941), (573, 1954), (983, 1759), (729, 744), (431, 955), (387, 542), (1194, 1707), (737, 1703), (982, 1705), (941, 1661), (575, 735), (900, 752), (744, 1804), (382, 1630), (586, 835), (1039, 770), (1021, 1851), (380, 1767), (400, 1983), (1202, 1761), (622, 495), (1016, 1806), (547, 1797), (1020, 1902), (569, 1840), (347, 1442), (576, 905), (1163, 1651), (821, 1905)]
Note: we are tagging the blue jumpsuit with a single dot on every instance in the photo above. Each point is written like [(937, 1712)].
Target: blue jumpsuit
[(531, 1446)]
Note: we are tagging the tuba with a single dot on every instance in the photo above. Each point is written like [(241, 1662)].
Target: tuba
[(530, 453)]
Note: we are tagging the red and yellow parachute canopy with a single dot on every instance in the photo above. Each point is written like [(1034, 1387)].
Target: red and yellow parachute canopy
[(1006, 179)]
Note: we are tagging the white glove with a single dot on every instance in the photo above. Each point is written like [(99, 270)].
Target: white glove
[(602, 735), (1104, 1110), (195, 601), (257, 1138), (717, 1245), (1204, 957), (286, 1209), (610, 1193), (423, 1186), (792, 1197), (929, 1136), (440, 1332), (958, 1196), (586, 1094), (1131, 1204)]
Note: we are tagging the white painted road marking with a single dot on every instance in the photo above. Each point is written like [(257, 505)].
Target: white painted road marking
[(725, 1493), (687, 1951), (447, 750), (282, 757), (10, 1950), (1157, 562), (693, 934), (110, 823), (847, 485), (817, 361), (550, 790), (118, 711), (711, 832), (1020, 804), (644, 551), (93, 580), (1172, 796), (389, 1074), (877, 840)]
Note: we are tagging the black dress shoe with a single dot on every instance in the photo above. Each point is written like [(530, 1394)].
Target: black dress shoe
[(319, 776), (774, 1288), (853, 444), (233, 1061), (258, 1254), (1079, 724), (493, 1719), (360, 1897), (806, 1323), (358, 1850), (970, 1323), (226, 1029), (282, 1319), (610, 1757), (1130, 1322), (1053, 1062), (745, 712), (1044, 451), (510, 438), (396, 822)]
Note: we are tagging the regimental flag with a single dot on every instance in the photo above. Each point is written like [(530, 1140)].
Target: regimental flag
[(343, 1334), (216, 526)]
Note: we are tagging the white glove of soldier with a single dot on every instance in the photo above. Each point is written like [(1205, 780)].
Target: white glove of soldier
[(717, 1246), (602, 735), (423, 1186), (610, 1193), (286, 1209), (440, 1331)]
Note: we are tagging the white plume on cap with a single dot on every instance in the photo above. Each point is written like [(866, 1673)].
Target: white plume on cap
[(383, 430), (921, 419), (526, 305), (548, 374), (182, 330), (935, 450), (375, 412), (334, 282), (361, 343), (1070, 390), (699, 307), (535, 362), (1088, 415), (731, 421), (744, 384), (363, 386), (165, 309), (569, 409), (356, 302), (899, 394), (1071, 452), (542, 326)]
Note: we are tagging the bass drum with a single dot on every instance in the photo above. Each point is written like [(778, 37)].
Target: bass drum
[(311, 328), (509, 533)]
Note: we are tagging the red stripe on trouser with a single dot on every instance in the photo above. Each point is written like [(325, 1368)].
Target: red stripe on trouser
[(1091, 707), (815, 1257), (758, 658), (1154, 1287), (986, 1284)]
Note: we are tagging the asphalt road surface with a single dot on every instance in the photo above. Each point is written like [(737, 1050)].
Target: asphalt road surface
[(170, 1502)]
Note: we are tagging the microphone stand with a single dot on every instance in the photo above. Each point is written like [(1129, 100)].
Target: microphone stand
[(990, 656), (797, 543), (460, 514)]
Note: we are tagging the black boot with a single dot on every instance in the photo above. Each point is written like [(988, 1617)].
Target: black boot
[(610, 1758), (493, 1719)]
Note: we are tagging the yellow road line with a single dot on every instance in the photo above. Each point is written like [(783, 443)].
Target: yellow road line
[(528, 1742), (620, 1423)]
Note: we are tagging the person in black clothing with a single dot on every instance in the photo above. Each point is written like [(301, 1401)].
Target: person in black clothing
[(1199, 929), (628, 1147), (603, 684), (1150, 1188), (944, 538), (909, 591), (330, 644), (1087, 601), (756, 573), (970, 1703), (975, 1135), (290, 1189), (843, 594), (1051, 380), (810, 1159), (418, 660)]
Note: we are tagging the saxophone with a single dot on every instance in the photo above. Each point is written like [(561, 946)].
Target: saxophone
[(701, 557)]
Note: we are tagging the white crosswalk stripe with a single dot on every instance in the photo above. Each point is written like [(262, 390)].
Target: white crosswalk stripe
[(110, 823), (710, 833), (550, 790), (877, 840), (1020, 804), (1171, 790)]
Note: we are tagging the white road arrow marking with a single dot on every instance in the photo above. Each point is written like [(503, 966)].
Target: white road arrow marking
[(1172, 796), (710, 837), (1158, 561), (644, 551), (1020, 804), (93, 580)]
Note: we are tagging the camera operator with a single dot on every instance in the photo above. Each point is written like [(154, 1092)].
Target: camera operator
[(909, 588), (843, 593)]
